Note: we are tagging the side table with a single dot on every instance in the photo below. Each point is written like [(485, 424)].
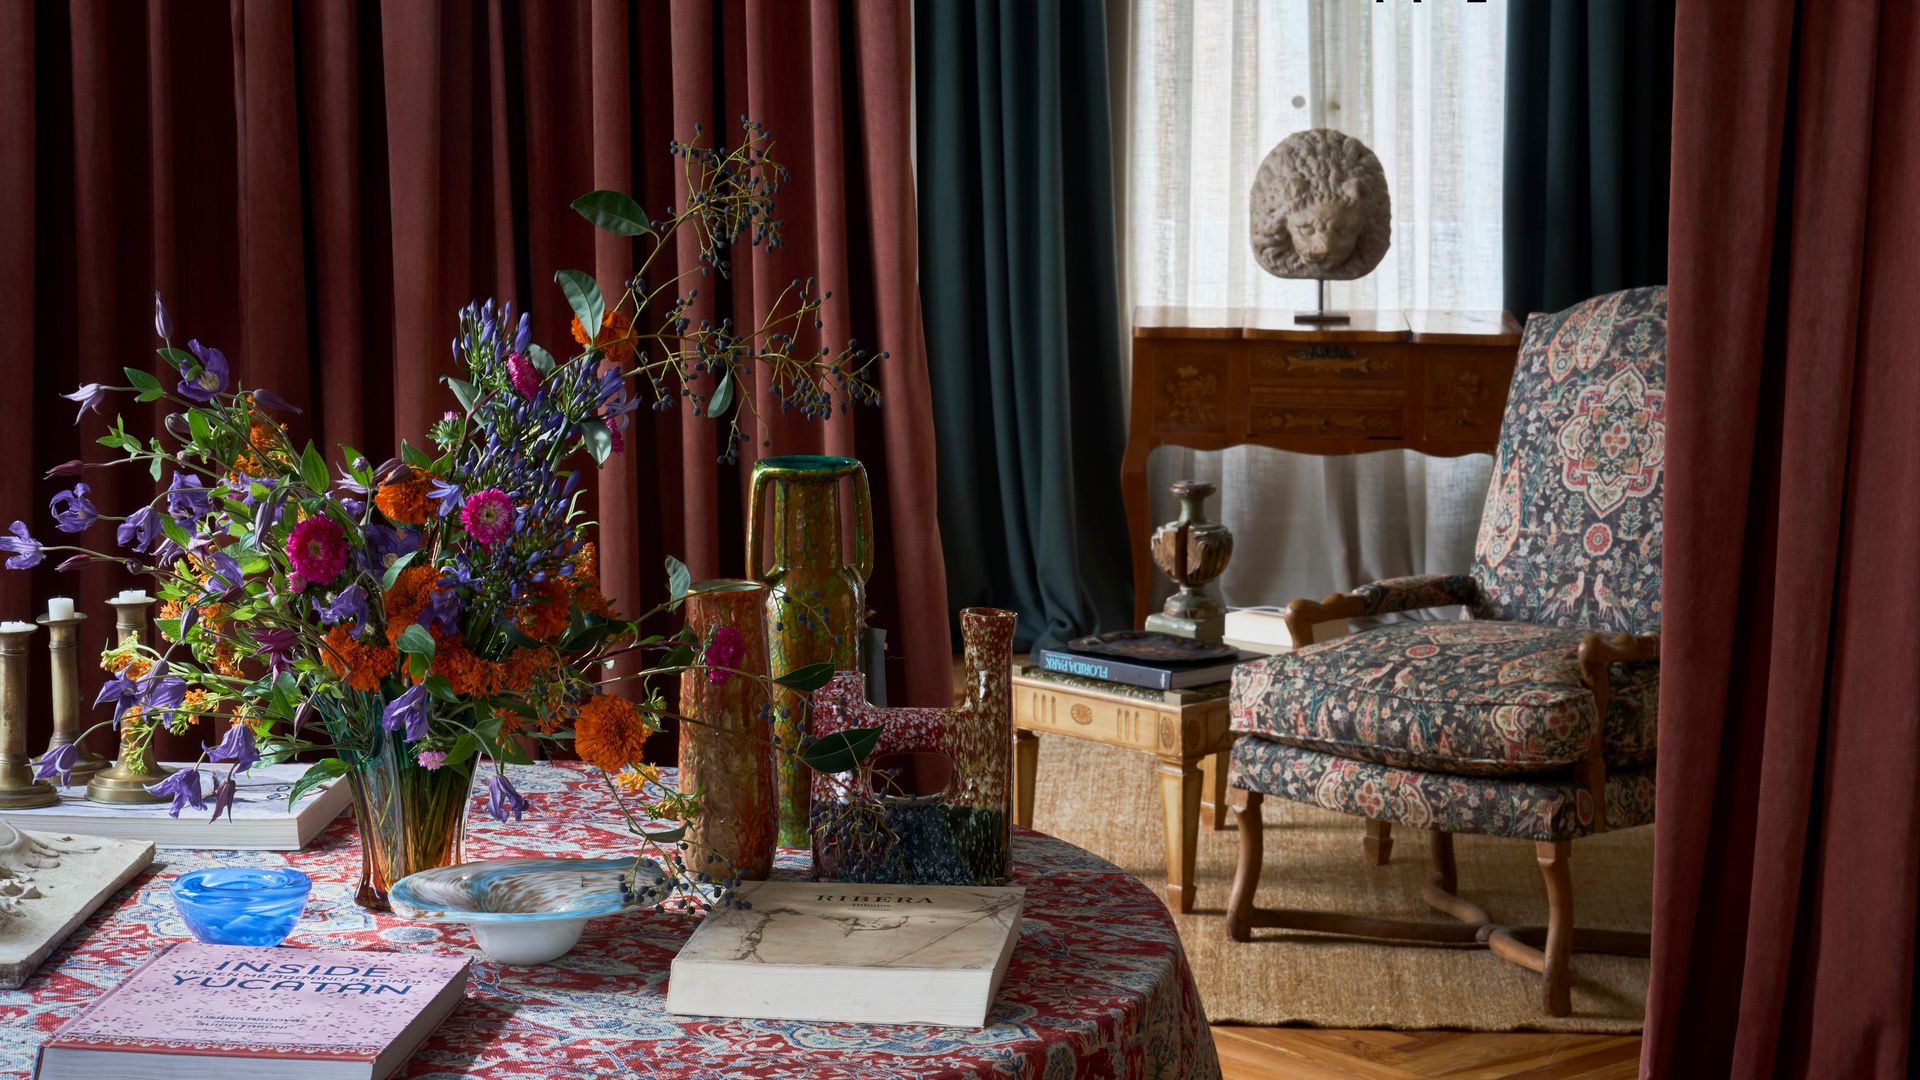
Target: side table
[(1186, 730)]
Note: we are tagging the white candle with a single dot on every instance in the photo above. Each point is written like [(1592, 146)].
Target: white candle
[(133, 596), (60, 607), (13, 626)]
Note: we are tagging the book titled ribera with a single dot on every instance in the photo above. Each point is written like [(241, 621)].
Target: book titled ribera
[(867, 954), (195, 1011), (1151, 676)]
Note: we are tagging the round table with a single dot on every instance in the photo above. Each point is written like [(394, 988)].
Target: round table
[(1098, 986)]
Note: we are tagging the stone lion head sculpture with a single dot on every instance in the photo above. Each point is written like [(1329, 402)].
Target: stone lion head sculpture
[(1320, 208)]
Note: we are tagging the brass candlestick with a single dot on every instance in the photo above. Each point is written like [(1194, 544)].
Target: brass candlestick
[(18, 789), (126, 782), (1192, 551), (61, 649)]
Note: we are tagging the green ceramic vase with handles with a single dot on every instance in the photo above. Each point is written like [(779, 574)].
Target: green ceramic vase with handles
[(816, 597)]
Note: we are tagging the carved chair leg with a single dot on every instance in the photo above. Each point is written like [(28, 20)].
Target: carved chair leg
[(1379, 841), (1440, 865), (1556, 991), (1246, 877)]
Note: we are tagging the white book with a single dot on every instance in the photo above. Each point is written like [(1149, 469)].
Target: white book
[(1264, 630), (863, 954), (260, 821)]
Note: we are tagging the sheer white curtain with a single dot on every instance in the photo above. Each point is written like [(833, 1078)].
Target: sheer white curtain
[(1214, 85)]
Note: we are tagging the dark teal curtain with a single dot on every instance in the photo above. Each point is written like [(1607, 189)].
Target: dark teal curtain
[(1589, 127), (1019, 290)]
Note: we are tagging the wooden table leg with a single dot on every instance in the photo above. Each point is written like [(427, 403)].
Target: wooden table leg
[(1213, 802), (1026, 761), (1180, 785)]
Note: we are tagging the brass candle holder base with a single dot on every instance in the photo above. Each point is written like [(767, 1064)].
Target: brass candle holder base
[(125, 786), (27, 796)]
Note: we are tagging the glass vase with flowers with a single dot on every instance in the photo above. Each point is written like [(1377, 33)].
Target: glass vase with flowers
[(406, 619)]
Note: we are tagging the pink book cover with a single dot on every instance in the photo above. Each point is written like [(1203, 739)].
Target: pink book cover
[(240, 1001)]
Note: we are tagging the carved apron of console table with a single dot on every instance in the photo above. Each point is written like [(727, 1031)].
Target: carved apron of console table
[(1433, 381)]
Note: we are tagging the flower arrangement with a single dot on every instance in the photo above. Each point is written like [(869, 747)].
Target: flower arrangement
[(443, 606)]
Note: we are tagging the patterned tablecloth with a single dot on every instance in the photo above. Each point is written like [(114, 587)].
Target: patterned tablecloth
[(1098, 987)]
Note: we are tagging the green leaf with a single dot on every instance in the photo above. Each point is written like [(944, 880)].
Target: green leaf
[(313, 470), (722, 397), (153, 468), (415, 639), (177, 357), (414, 457), (613, 212), (464, 747), (417, 665), (175, 531), (462, 390), (671, 836), (542, 359), (199, 427), (438, 686), (842, 750), (806, 679), (677, 657), (393, 572), (679, 579), (598, 439), (142, 380), (585, 297), (323, 770)]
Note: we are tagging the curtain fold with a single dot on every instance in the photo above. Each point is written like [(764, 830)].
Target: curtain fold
[(1021, 300), (1787, 873), (318, 187), (1589, 118)]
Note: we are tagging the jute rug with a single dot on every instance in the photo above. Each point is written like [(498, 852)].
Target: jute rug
[(1108, 801)]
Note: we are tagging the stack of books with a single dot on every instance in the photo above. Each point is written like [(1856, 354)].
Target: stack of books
[(1144, 659)]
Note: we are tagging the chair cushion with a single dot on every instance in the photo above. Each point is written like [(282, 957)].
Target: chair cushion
[(1525, 808), (1469, 697)]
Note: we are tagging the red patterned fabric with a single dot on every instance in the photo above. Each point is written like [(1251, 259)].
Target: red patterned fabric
[(1097, 988)]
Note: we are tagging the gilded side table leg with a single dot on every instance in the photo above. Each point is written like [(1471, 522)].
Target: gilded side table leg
[(1213, 768), (1026, 763), (1180, 789)]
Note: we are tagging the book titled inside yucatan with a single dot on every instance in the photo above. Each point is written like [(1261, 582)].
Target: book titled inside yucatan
[(873, 954), (261, 1012)]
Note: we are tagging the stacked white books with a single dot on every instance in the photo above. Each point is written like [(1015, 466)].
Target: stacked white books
[(872, 954), (261, 820), (1264, 630)]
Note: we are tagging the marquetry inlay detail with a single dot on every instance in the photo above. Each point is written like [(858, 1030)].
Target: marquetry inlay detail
[(1324, 362), (1188, 396), (1355, 422)]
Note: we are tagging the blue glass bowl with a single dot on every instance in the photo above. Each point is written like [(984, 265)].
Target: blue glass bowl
[(241, 905)]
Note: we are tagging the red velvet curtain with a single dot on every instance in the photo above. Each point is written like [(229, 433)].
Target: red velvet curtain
[(318, 187), (1788, 852)]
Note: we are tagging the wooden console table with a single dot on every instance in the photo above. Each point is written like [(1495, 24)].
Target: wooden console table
[(1433, 381)]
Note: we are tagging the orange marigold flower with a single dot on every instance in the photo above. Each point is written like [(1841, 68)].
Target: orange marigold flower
[(362, 665), (585, 583), (405, 502), (547, 612), (609, 733), (408, 595), (467, 674), (615, 338), (525, 667)]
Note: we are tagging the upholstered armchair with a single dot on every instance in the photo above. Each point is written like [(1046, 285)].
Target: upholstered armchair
[(1533, 719)]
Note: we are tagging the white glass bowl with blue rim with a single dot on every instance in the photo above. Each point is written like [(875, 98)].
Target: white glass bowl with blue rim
[(527, 910)]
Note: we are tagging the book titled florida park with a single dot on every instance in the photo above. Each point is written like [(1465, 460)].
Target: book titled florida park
[(267, 1012)]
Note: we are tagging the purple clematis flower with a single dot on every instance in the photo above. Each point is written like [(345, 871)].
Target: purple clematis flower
[(223, 798), (161, 694), (187, 499), (223, 574), (387, 543), (89, 396), (162, 325), (58, 761), (237, 747), (277, 644), (212, 378), (267, 399), (26, 553), (348, 605), (448, 496), (73, 511), (442, 610), (120, 690), (184, 788), (66, 470), (409, 710), (502, 799), (140, 530)]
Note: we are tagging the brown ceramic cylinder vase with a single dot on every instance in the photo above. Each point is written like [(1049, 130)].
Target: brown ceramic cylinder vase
[(726, 754)]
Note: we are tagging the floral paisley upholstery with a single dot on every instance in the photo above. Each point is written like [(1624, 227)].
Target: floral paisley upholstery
[(1469, 697), (1552, 808), (1571, 531), (1413, 593)]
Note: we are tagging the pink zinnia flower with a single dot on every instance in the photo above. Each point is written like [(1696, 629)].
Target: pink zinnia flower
[(525, 379), (488, 516), (318, 549), (431, 760), (723, 653)]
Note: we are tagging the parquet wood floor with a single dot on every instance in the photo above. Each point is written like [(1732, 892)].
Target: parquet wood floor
[(1269, 1053)]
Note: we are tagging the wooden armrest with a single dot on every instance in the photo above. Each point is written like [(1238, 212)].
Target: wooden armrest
[(1302, 615), (1597, 651)]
